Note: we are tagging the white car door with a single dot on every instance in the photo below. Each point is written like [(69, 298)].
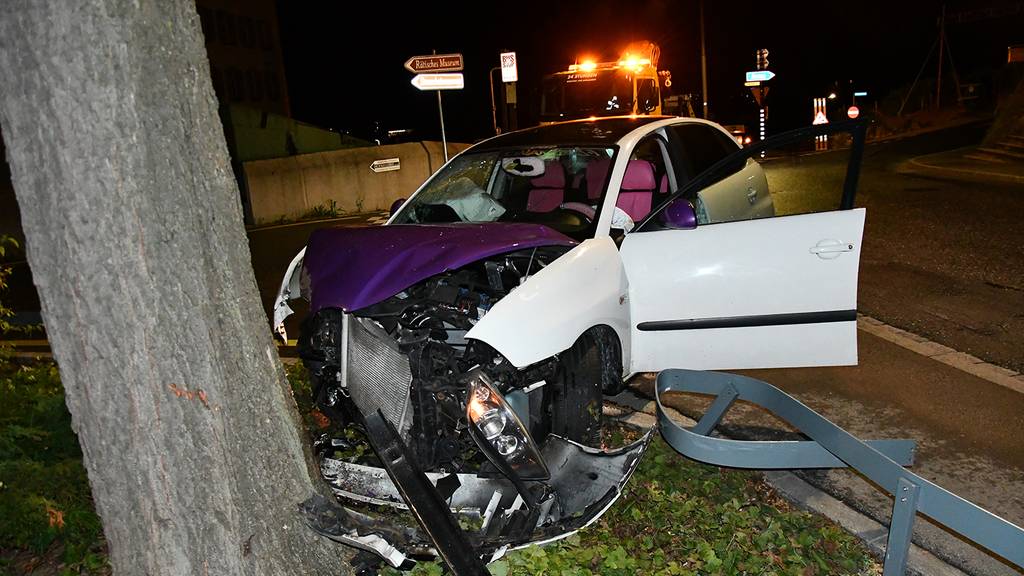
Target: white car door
[(743, 290), (768, 293)]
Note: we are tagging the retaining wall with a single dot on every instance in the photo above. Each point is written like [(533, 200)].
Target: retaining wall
[(292, 186)]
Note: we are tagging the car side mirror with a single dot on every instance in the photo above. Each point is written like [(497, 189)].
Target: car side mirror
[(679, 215), (396, 205)]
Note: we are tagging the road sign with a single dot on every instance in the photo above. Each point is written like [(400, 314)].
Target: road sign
[(439, 81), (509, 69), (751, 84), (434, 63), (860, 94), (386, 165), (853, 112), (820, 118), (760, 75)]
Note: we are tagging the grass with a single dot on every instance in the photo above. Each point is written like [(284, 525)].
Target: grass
[(675, 517), (46, 508)]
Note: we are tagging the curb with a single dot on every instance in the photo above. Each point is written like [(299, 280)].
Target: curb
[(630, 408), (961, 361)]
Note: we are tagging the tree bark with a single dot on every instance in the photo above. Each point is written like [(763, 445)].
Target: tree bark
[(191, 439)]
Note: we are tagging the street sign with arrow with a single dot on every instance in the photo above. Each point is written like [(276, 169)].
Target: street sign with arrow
[(434, 63), (439, 81), (760, 75)]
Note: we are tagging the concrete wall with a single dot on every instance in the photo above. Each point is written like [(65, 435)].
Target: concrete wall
[(290, 187), (259, 135)]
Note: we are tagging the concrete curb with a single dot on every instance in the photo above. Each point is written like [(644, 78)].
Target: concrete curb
[(630, 408), (961, 361)]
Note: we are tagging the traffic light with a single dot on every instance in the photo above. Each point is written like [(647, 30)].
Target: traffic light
[(762, 59)]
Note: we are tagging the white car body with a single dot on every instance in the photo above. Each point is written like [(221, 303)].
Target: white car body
[(725, 284), (761, 272)]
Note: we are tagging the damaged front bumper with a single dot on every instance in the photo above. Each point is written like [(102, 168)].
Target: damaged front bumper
[(489, 513)]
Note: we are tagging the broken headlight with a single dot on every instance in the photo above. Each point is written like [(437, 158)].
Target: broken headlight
[(500, 434)]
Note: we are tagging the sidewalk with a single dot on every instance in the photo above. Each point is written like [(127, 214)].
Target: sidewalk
[(972, 164)]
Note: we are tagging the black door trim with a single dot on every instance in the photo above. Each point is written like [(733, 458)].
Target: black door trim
[(750, 321)]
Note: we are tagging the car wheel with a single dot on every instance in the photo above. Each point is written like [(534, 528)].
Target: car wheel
[(575, 395)]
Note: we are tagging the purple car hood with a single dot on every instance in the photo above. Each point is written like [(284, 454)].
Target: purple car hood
[(352, 268)]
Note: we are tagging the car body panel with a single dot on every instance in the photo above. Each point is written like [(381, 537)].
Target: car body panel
[(763, 274), (351, 268), (585, 287)]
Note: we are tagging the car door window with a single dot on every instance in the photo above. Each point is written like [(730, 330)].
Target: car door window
[(799, 172), (647, 182)]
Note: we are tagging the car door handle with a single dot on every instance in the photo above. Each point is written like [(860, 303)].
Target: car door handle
[(830, 248), (751, 195)]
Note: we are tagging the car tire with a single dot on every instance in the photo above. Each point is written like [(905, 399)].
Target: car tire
[(575, 398)]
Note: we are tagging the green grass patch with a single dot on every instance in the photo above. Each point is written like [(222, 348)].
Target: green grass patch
[(676, 516), (45, 501)]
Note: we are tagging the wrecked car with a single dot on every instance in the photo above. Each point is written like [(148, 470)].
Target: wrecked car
[(527, 279)]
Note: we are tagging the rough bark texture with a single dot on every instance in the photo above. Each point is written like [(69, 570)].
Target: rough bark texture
[(191, 439)]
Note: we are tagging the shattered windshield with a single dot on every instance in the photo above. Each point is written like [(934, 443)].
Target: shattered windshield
[(560, 187)]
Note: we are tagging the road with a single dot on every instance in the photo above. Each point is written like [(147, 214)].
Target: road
[(942, 259)]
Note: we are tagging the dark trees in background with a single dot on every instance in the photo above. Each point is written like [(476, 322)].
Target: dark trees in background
[(191, 439)]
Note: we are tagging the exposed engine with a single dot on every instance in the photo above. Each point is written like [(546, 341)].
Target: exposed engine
[(407, 356)]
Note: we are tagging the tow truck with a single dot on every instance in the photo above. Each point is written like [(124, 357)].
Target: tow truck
[(629, 85)]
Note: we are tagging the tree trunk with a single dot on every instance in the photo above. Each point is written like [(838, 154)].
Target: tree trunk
[(191, 439)]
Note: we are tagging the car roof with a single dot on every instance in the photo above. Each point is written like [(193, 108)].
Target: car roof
[(596, 131)]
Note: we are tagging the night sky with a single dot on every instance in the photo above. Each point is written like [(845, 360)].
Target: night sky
[(344, 66)]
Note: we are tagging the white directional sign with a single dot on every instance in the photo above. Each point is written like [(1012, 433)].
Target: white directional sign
[(509, 70), (386, 165), (760, 75), (439, 81)]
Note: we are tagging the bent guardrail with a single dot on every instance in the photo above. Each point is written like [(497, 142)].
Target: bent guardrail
[(882, 461)]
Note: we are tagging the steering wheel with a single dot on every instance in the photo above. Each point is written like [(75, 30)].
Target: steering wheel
[(580, 208)]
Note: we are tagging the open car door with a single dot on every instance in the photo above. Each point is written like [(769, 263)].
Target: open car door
[(768, 292)]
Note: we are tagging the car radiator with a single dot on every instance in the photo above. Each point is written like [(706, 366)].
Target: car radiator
[(375, 372)]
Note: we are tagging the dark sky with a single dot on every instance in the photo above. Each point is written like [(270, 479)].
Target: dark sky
[(344, 66)]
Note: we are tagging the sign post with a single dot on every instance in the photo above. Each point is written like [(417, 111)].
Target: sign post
[(437, 72), (754, 79)]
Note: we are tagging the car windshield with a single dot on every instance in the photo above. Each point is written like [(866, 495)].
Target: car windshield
[(560, 187)]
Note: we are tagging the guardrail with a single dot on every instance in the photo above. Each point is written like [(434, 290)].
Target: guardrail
[(882, 461)]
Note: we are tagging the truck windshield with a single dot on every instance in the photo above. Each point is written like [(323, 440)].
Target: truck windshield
[(574, 95), (560, 187)]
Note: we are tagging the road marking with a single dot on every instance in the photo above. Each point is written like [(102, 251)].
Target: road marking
[(961, 361)]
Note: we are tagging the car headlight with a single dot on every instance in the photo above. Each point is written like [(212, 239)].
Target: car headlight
[(499, 432)]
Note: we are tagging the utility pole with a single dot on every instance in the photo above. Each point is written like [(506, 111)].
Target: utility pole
[(703, 63)]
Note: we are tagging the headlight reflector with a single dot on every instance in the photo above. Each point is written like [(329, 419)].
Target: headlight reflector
[(499, 433)]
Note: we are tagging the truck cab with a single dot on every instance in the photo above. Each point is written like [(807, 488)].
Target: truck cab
[(630, 85)]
